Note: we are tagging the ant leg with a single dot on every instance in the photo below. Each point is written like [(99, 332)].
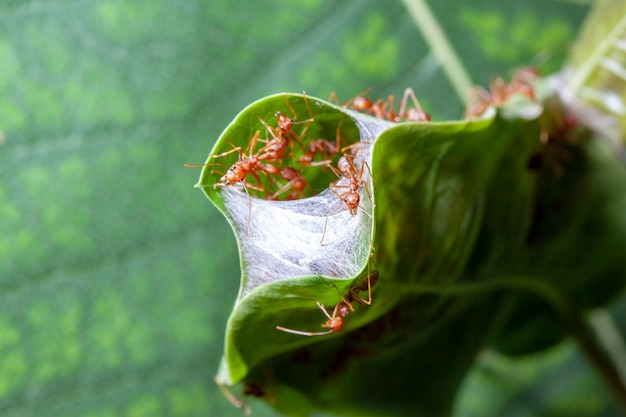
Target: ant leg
[(308, 121), (336, 171), (229, 395), (356, 148), (405, 98), (333, 98), (245, 185), (327, 216), (272, 131), (389, 108), (249, 208), (319, 163), (338, 137), (332, 187), (343, 298), (277, 137), (295, 181), (366, 165), (419, 115), (302, 333), (361, 94), (372, 278), (321, 307), (367, 190), (252, 143), (234, 149), (369, 287)]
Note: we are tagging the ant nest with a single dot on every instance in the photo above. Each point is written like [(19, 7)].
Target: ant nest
[(311, 236)]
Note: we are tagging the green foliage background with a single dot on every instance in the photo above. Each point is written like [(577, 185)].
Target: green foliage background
[(116, 276)]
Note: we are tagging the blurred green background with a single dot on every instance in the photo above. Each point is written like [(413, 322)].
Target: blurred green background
[(116, 276)]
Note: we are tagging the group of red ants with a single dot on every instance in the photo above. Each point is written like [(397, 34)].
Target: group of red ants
[(290, 183), (279, 146)]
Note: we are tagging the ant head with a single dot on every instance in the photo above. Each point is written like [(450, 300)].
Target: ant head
[(289, 173), (307, 158), (284, 122), (235, 173), (299, 183), (352, 200)]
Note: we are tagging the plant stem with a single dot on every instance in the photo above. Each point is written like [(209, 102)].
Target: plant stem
[(440, 46)]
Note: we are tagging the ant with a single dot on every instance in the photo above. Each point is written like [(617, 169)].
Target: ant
[(295, 181), (385, 109), (346, 169), (285, 123), (360, 102), (414, 114), (335, 321), (333, 324), (500, 92), (245, 165), (275, 148), (324, 147), (238, 172)]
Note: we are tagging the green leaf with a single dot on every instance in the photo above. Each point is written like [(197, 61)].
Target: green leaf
[(286, 246), (116, 276), (426, 240)]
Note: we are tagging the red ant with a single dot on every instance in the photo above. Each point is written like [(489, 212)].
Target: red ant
[(285, 123), (295, 181), (385, 109), (238, 172), (346, 169), (500, 92), (415, 113), (276, 147), (360, 102), (335, 321), (324, 147)]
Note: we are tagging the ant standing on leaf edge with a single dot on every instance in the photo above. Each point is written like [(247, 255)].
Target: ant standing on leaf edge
[(385, 109), (341, 310)]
